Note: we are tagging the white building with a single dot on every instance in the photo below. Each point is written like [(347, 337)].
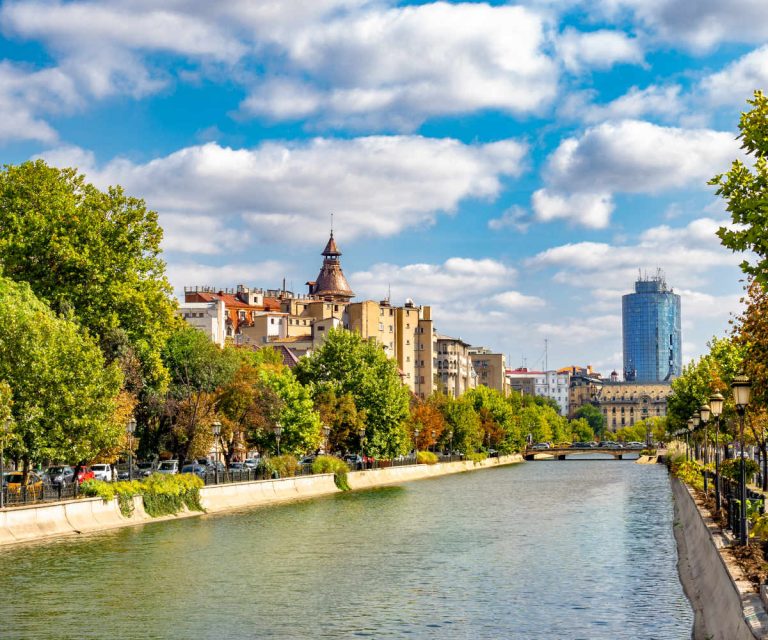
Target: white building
[(208, 317), (548, 384)]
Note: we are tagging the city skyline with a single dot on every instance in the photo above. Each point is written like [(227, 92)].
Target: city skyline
[(512, 166)]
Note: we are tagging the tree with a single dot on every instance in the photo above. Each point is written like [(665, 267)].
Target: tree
[(63, 395), (497, 417), (349, 364), (582, 431), (341, 415), (428, 419), (462, 419), (198, 368), (94, 253), (746, 191), (593, 416), (301, 423)]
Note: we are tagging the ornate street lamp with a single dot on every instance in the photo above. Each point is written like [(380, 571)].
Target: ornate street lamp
[(216, 433), (716, 402), (4, 428), (450, 451), (415, 446), (278, 429), (361, 433), (131, 429), (326, 433), (742, 388), (696, 421), (687, 433), (704, 412), (434, 442)]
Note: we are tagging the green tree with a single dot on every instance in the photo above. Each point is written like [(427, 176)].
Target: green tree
[(745, 191), (502, 430), (349, 364), (582, 431), (95, 253), (341, 415), (461, 418), (63, 400), (593, 416)]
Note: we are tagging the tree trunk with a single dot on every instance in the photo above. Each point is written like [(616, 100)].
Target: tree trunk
[(764, 452)]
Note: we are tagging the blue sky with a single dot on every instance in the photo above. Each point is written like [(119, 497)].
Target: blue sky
[(512, 165)]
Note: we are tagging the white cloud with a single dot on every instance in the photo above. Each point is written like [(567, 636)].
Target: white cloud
[(197, 234), (700, 25), (661, 101), (736, 82), (515, 218), (261, 274), (398, 66), (592, 210), (516, 300), (597, 49), (375, 186)]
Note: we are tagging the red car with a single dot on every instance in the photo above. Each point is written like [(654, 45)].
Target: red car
[(84, 474)]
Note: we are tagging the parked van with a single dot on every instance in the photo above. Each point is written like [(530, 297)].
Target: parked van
[(169, 467), (102, 472)]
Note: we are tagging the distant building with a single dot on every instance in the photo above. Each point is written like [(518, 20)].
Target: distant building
[(547, 384), (490, 368), (651, 330), (208, 317), (455, 373), (583, 387), (625, 403)]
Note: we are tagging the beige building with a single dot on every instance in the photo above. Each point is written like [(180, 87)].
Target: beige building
[(625, 403), (491, 368), (455, 373), (584, 388)]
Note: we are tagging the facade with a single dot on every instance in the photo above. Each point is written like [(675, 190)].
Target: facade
[(652, 333), (208, 317), (490, 368), (454, 370), (583, 387), (625, 403), (548, 384)]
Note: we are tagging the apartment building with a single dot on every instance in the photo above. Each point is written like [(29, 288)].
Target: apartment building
[(455, 373), (491, 368), (625, 403)]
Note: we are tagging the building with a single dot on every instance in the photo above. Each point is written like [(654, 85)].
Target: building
[(583, 387), (331, 284), (208, 317), (625, 403), (651, 330), (455, 373), (491, 368), (547, 384)]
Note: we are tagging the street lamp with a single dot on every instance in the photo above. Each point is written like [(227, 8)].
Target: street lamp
[(326, 433), (742, 387), (696, 421), (687, 432), (716, 402), (216, 433), (131, 429), (278, 429), (4, 426), (704, 412), (434, 442), (415, 446), (450, 451), (361, 433)]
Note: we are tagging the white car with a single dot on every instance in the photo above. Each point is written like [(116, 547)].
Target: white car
[(169, 467), (102, 472)]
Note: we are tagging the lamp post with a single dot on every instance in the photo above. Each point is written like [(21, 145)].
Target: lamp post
[(704, 412), (687, 446), (434, 442), (450, 451), (741, 388), (131, 429), (216, 433), (716, 402), (326, 433), (278, 429), (4, 425), (696, 421), (415, 446), (361, 433)]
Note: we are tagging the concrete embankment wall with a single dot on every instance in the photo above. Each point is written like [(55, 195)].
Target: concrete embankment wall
[(87, 515), (716, 601)]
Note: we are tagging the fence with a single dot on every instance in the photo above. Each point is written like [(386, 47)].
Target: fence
[(47, 492), (730, 499)]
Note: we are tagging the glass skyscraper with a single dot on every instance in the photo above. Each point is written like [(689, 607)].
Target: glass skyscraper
[(651, 325)]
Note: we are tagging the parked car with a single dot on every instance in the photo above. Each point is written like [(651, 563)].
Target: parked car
[(238, 467), (61, 475), (582, 445), (252, 463), (14, 482), (607, 444), (634, 445), (103, 472), (85, 473), (145, 469), (169, 467), (541, 445), (122, 472), (307, 459), (194, 467)]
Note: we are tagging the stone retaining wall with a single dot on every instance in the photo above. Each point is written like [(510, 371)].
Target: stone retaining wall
[(35, 522)]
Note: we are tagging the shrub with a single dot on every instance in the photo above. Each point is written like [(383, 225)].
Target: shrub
[(169, 494), (648, 452), (336, 466), (731, 468), (426, 457), (123, 491), (476, 457), (688, 471), (285, 465)]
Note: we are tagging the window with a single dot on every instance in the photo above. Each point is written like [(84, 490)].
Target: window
[(321, 328)]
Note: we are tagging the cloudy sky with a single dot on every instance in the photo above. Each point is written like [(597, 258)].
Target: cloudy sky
[(512, 165)]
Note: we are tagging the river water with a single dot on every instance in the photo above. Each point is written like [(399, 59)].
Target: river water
[(569, 549)]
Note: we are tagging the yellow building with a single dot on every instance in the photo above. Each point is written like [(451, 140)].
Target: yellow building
[(625, 403)]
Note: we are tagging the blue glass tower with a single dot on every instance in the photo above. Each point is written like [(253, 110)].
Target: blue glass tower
[(652, 338)]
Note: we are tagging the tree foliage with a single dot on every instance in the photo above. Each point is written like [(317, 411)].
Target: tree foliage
[(593, 416), (90, 252), (63, 395)]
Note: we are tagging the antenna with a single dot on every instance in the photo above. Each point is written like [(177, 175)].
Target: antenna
[(331, 224), (389, 293), (546, 354)]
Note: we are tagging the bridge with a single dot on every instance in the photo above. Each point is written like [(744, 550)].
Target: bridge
[(559, 453)]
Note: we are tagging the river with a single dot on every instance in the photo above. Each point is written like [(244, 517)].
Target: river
[(569, 549)]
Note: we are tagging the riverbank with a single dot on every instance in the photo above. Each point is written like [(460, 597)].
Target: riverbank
[(725, 604), (88, 515)]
